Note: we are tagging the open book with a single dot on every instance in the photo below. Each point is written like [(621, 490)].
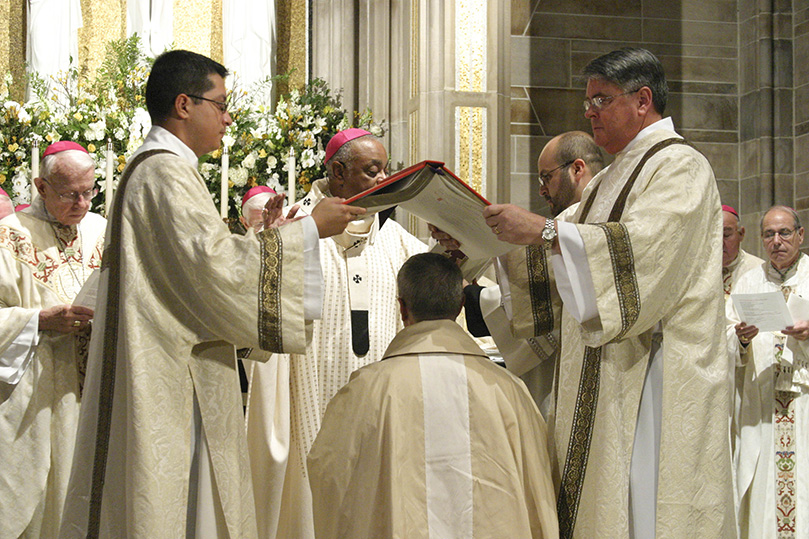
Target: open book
[(431, 191)]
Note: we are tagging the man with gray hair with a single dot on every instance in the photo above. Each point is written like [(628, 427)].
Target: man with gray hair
[(772, 454), (435, 440), (289, 393), (47, 252), (641, 423)]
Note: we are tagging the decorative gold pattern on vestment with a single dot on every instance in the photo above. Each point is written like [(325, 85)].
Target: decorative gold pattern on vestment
[(111, 263), (539, 288), (578, 450), (623, 267), (269, 291)]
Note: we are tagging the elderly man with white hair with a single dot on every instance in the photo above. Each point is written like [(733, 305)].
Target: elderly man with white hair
[(47, 251)]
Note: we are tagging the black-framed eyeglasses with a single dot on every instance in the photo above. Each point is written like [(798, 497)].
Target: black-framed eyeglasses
[(545, 177), (73, 197), (223, 105), (599, 102), (785, 234)]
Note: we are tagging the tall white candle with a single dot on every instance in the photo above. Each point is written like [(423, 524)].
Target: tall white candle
[(108, 191), (34, 167), (291, 177), (223, 203)]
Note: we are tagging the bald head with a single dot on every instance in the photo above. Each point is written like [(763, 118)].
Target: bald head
[(566, 164)]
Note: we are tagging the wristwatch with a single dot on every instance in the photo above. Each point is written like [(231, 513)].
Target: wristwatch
[(549, 233)]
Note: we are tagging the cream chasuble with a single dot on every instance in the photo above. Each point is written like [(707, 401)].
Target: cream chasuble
[(772, 454), (42, 264), (289, 394), (656, 278), (433, 441), (172, 298)]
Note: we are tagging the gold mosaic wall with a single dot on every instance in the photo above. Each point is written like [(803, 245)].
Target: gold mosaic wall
[(470, 45), (197, 27), (470, 76), (470, 127)]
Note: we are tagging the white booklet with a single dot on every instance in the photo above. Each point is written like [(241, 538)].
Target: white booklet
[(87, 295), (768, 311)]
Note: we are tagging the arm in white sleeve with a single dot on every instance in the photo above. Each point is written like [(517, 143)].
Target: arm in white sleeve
[(572, 270), (312, 274), (17, 356)]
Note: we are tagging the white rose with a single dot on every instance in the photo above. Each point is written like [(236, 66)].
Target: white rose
[(272, 161), (238, 176), (249, 161), (228, 141)]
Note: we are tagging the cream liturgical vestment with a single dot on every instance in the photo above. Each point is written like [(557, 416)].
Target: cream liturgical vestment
[(435, 440), (176, 284), (772, 460), (642, 392), (42, 264), (289, 394)]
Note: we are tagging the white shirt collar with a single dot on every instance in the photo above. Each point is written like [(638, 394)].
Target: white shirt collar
[(160, 138), (666, 123)]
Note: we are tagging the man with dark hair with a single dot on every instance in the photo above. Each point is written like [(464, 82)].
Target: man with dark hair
[(289, 393), (161, 450), (772, 454), (435, 440), (47, 252), (641, 422)]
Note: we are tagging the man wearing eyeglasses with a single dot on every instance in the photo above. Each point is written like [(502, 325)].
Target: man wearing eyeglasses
[(47, 252), (773, 445), (642, 400), (161, 448), (566, 165)]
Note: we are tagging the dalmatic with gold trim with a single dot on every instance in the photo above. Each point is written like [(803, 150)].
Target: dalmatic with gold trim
[(654, 249), (39, 407), (177, 290)]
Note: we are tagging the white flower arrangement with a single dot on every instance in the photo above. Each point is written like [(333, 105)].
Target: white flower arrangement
[(111, 108)]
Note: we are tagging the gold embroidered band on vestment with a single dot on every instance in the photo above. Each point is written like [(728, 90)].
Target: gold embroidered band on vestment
[(578, 450), (623, 268), (269, 291), (539, 288)]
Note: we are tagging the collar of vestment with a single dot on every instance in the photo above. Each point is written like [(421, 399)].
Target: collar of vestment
[(782, 276), (665, 124), (160, 138), (730, 268), (433, 337)]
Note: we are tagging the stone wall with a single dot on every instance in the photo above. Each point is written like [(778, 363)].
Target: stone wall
[(737, 74)]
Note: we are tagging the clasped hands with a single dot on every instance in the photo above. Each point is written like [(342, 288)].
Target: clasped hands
[(331, 215)]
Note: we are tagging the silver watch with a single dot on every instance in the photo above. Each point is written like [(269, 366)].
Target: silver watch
[(549, 233)]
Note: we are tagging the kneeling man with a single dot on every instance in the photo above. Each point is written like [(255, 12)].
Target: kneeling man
[(435, 440)]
